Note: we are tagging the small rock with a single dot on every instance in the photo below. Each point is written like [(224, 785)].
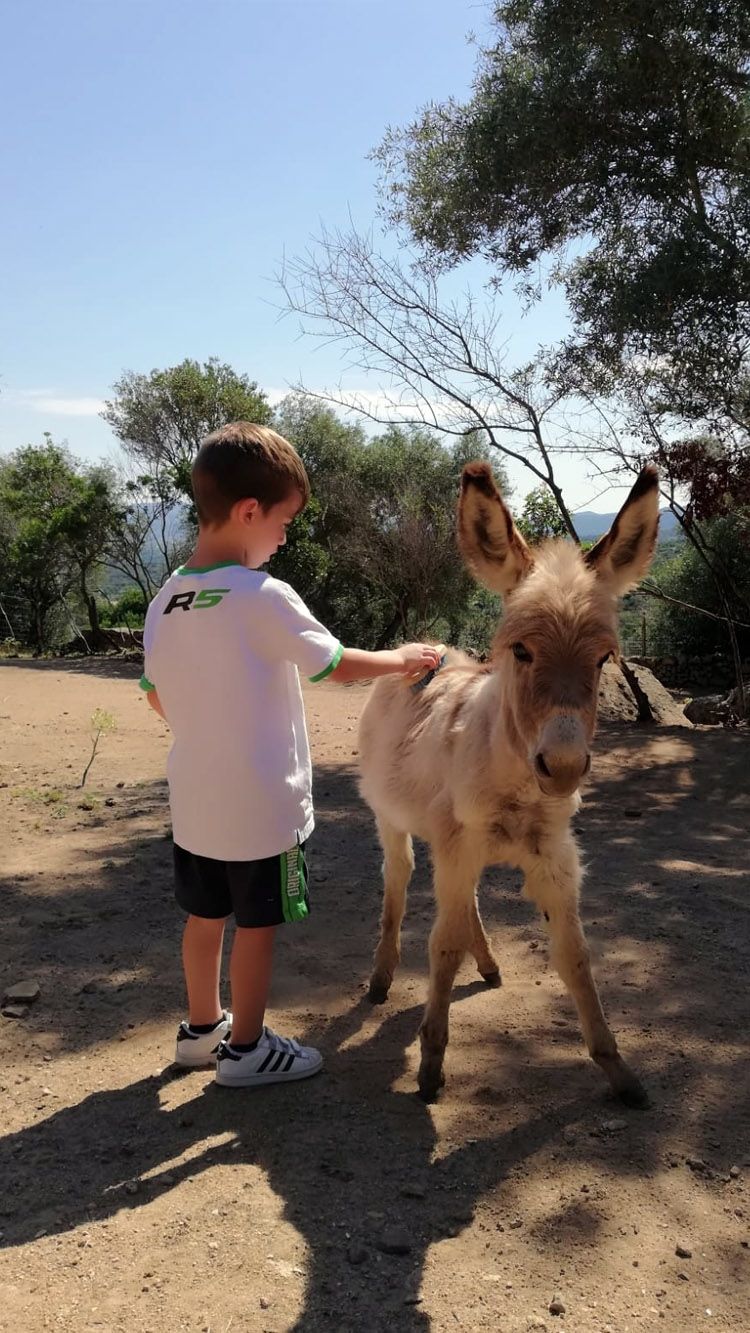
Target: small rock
[(265, 1304), (109, 801), (395, 1240), (132, 1186), (90, 987), (356, 1254), (15, 1010), (85, 805), (213, 1245), (569, 1134), (614, 1126), (536, 1322), (23, 992), (632, 813), (413, 1191), (696, 1163), (556, 1305), (683, 1251), (734, 1172), (515, 1224)]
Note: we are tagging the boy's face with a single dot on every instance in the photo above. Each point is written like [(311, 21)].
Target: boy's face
[(265, 529)]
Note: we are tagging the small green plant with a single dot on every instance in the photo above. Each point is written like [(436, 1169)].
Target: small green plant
[(102, 722)]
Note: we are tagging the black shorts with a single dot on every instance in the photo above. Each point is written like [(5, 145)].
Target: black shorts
[(258, 893)]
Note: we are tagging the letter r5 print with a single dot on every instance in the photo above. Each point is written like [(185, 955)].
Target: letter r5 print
[(183, 601)]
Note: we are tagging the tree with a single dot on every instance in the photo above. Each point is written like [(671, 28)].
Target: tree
[(440, 365), (162, 417), (56, 520), (374, 552), (86, 523), (610, 143), (540, 517), (687, 581)]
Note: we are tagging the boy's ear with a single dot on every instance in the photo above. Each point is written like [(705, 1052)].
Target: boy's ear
[(622, 556), (490, 542), (242, 510)]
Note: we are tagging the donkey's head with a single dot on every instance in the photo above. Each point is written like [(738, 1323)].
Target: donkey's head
[(560, 622)]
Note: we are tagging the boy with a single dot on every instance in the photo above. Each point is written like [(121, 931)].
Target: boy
[(223, 644)]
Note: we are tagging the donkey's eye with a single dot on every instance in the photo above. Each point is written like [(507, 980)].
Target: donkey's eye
[(604, 659), (521, 653)]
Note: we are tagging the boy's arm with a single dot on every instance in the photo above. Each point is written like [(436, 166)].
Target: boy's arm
[(357, 664), (155, 703)]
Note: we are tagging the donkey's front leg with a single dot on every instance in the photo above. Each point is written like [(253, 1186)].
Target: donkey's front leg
[(398, 864), (553, 885), (451, 936), (486, 962)]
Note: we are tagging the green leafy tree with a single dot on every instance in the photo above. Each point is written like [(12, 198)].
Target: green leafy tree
[(36, 571), (612, 143), (540, 517), (161, 418), (677, 627)]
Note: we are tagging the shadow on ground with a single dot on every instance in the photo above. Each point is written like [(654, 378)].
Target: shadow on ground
[(665, 833)]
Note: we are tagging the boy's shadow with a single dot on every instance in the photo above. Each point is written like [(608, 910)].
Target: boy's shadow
[(366, 1186)]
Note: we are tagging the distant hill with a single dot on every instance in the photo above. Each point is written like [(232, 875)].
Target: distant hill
[(589, 526)]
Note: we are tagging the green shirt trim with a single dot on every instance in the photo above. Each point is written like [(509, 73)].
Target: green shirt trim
[(206, 569), (337, 656), (145, 683)]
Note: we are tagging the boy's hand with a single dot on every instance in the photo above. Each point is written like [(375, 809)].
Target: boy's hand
[(420, 657)]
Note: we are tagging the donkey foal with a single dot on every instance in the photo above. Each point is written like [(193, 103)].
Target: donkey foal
[(485, 762)]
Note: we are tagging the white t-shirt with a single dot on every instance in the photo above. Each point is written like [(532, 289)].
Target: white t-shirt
[(222, 648)]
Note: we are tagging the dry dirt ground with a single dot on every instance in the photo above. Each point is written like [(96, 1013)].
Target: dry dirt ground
[(136, 1200)]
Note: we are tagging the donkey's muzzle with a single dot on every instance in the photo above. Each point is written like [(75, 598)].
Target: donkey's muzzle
[(562, 758)]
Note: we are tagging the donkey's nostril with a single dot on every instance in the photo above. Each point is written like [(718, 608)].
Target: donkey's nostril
[(542, 766)]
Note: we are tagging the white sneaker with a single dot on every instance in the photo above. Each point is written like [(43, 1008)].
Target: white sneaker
[(274, 1060), (195, 1049)]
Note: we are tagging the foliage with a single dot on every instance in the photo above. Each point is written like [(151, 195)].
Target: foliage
[(129, 609), (161, 418), (540, 517), (52, 516), (612, 141), (374, 553), (687, 579)]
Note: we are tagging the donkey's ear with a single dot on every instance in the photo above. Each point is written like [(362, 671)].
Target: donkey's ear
[(490, 542), (624, 554)]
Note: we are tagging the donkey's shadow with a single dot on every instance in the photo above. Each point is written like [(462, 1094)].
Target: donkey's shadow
[(367, 1187)]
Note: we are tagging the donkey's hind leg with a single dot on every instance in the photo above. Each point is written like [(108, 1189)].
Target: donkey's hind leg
[(480, 947), (398, 864)]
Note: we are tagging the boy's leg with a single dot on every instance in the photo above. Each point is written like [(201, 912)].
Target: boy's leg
[(201, 959), (250, 978)]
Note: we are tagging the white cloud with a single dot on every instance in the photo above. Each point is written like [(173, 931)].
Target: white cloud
[(47, 402)]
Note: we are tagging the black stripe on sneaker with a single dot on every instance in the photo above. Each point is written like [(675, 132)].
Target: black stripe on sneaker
[(290, 1061), (262, 1067), (278, 1062)]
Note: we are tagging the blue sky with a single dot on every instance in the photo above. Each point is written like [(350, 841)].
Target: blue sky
[(158, 157)]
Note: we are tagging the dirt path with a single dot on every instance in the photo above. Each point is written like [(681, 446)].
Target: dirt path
[(134, 1200)]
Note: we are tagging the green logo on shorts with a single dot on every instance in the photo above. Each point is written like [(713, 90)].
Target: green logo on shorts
[(294, 885)]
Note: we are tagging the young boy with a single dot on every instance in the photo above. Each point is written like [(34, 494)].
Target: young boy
[(223, 645)]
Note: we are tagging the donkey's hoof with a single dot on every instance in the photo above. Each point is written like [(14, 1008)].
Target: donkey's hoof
[(378, 992), (633, 1093), (430, 1082), (492, 979), (429, 1089)]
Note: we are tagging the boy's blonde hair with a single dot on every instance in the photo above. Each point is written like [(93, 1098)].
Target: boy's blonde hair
[(243, 461)]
